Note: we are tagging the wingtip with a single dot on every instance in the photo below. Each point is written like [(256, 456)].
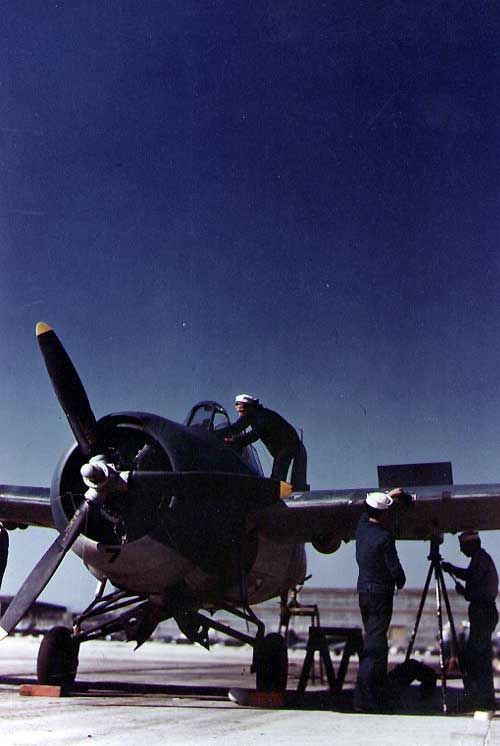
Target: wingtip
[(42, 328)]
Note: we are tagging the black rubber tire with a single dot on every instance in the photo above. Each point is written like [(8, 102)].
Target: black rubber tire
[(271, 663), (57, 661)]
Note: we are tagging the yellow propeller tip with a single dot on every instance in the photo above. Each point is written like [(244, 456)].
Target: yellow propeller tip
[(42, 328), (3, 634)]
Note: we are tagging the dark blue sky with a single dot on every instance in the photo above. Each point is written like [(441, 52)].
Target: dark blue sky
[(295, 199)]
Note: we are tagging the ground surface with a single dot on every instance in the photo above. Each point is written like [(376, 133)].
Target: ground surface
[(177, 694)]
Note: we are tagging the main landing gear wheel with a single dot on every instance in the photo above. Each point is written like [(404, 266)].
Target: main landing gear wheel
[(57, 661), (271, 663)]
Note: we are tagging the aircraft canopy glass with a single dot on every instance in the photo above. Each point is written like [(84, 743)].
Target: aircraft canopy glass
[(208, 415)]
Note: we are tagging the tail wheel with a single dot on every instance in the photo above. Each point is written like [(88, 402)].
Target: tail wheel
[(57, 661), (271, 663)]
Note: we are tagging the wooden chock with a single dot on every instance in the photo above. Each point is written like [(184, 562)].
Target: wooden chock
[(255, 698), (39, 690)]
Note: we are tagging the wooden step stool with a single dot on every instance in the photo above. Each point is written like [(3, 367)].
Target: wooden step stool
[(318, 641)]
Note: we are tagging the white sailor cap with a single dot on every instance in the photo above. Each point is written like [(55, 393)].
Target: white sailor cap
[(379, 500), (245, 399)]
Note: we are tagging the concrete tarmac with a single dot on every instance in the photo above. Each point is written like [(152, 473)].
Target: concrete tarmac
[(177, 694)]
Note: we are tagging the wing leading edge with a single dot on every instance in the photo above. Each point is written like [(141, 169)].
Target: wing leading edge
[(317, 516), (28, 506)]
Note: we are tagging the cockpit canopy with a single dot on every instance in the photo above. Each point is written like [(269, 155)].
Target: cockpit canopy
[(207, 414)]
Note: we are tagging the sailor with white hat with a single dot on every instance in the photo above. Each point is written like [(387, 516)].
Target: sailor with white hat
[(380, 572), (481, 589), (256, 422)]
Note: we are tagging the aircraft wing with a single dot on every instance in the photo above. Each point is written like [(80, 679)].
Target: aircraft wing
[(25, 506), (326, 517), (319, 516)]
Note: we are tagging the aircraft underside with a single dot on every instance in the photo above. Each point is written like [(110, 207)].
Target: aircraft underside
[(147, 566)]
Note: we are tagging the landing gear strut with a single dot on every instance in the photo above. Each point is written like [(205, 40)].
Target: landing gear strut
[(58, 655)]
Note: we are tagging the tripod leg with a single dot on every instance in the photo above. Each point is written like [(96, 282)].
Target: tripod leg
[(419, 615), (453, 629), (439, 615)]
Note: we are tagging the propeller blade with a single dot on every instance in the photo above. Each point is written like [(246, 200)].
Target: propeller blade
[(42, 572), (69, 389)]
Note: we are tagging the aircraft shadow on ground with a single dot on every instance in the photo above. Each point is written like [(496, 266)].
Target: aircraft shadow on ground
[(411, 702)]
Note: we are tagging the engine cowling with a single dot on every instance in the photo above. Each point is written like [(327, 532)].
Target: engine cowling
[(133, 441)]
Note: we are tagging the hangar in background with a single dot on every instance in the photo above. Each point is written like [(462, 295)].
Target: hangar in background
[(40, 618)]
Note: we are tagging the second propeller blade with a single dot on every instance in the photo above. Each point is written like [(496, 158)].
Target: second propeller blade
[(42, 572)]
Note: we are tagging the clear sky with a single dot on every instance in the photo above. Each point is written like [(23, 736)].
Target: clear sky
[(294, 199)]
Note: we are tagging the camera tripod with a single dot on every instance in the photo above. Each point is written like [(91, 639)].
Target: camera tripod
[(441, 593)]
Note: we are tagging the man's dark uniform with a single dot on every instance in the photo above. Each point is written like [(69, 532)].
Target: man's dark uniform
[(481, 588), (279, 437), (379, 572)]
